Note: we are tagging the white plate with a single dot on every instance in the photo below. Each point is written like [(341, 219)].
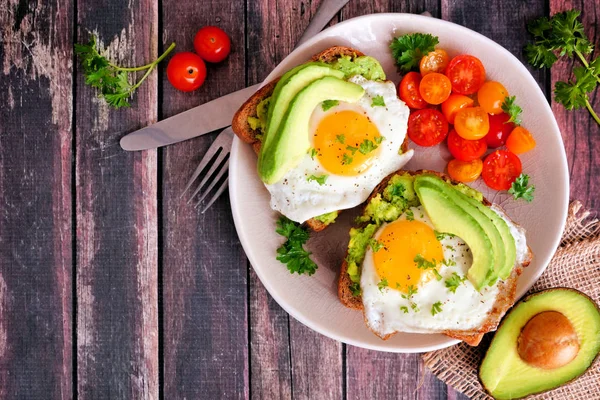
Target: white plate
[(313, 300)]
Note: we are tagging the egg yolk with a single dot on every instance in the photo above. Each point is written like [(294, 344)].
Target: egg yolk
[(346, 142), (402, 241)]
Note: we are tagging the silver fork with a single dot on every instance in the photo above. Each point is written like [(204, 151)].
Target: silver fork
[(217, 156)]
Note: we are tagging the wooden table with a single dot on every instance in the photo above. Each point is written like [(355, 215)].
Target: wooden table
[(111, 286)]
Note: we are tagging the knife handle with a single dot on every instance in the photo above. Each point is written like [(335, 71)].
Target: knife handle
[(326, 11)]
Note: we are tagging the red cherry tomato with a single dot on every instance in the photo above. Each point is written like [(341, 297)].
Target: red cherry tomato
[(212, 44), (499, 130), (186, 71), (409, 91), (500, 169), (463, 149), (466, 73), (427, 127)]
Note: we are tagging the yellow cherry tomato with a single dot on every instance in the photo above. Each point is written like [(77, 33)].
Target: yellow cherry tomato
[(465, 171), (434, 61), (472, 123), (491, 96)]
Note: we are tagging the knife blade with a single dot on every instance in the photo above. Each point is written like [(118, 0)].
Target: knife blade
[(217, 113)]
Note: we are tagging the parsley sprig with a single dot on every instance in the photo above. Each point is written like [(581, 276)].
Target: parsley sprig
[(564, 35), (520, 189), (111, 80), (292, 252), (512, 109), (408, 50)]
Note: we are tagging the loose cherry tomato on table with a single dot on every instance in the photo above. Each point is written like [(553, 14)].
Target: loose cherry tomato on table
[(466, 73), (434, 61), (463, 149), (520, 140), (186, 71), (491, 96), (465, 171), (500, 128), (427, 127), (435, 88), (454, 103), (212, 44), (472, 123), (500, 169), (409, 91)]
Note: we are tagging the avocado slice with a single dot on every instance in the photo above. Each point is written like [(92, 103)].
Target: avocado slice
[(288, 86), (447, 216), (289, 144), (503, 243), (505, 375)]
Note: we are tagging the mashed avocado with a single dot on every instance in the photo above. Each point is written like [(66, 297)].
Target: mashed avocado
[(259, 123), (328, 218), (472, 193), (363, 65)]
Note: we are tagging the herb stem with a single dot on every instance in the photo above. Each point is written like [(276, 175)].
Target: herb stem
[(147, 66), (591, 110), (585, 63)]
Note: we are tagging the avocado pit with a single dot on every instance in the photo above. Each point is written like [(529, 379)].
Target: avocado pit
[(548, 341)]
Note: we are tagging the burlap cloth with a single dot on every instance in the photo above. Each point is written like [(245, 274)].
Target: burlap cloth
[(576, 264)]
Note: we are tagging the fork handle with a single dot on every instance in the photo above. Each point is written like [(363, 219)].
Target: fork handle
[(327, 10)]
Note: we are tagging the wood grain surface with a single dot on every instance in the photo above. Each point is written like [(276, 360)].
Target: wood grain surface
[(111, 284)]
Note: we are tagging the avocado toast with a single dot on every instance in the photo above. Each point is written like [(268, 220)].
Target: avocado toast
[(398, 197), (255, 120)]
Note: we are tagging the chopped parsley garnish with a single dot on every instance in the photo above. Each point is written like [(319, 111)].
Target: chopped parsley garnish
[(414, 306), (347, 160), (436, 308), (383, 283), (379, 139), (520, 189), (454, 282), (411, 291), (422, 263), (404, 309), (319, 179), (407, 50), (449, 263), (376, 245), (378, 101), (352, 149), (441, 235), (292, 252), (327, 104), (410, 216), (313, 153), (340, 138), (512, 109), (355, 288), (367, 146)]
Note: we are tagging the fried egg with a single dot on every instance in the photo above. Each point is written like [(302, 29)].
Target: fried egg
[(353, 147), (398, 296)]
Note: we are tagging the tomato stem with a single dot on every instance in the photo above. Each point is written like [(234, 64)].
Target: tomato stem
[(147, 66), (591, 110)]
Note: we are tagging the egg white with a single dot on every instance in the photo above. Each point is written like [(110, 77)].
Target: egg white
[(466, 309), (299, 199)]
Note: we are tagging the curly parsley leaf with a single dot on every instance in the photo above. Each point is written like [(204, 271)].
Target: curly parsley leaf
[(292, 252), (321, 179), (327, 104), (520, 189), (512, 109), (407, 50), (367, 146), (454, 282), (378, 101), (436, 308)]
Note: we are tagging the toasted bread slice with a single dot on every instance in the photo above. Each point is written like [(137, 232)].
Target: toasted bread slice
[(507, 288), (242, 128)]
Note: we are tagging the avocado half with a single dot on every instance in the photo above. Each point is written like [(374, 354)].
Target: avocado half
[(505, 375)]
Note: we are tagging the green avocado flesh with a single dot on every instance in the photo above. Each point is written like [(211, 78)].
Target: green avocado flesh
[(450, 217), (327, 218), (259, 123), (286, 147), (363, 65), (506, 376)]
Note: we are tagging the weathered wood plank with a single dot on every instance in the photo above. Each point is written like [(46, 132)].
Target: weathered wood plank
[(35, 193), (580, 132), (288, 360), (116, 200), (204, 268)]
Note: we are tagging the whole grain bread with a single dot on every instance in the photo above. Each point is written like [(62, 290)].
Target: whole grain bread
[(507, 288), (242, 128)]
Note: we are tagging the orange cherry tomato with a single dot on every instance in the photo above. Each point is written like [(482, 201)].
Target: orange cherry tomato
[(454, 103), (408, 88), (472, 123), (491, 96), (520, 140), (466, 73), (434, 61), (465, 171), (435, 88)]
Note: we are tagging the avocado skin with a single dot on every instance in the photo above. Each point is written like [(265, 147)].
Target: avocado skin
[(593, 317)]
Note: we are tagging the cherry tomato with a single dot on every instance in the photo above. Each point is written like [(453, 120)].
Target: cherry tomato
[(491, 96), (186, 71), (500, 169), (463, 149), (212, 44), (454, 103), (472, 123), (466, 73), (434, 61), (409, 91), (435, 88), (520, 140), (499, 130), (465, 171), (427, 127)]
